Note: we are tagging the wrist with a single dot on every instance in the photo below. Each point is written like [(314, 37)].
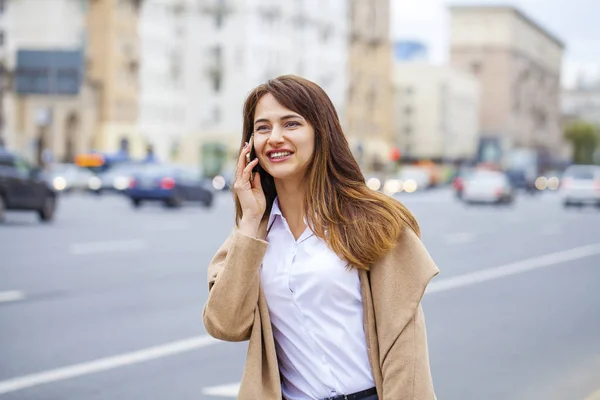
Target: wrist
[(249, 225)]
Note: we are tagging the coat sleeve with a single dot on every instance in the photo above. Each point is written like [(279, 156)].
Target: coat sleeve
[(233, 287), (397, 286)]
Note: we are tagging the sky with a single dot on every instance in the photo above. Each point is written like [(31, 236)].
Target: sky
[(575, 22)]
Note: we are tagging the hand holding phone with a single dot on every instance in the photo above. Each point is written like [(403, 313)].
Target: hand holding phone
[(248, 186)]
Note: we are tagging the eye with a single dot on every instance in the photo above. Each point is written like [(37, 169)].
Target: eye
[(292, 124), (261, 128)]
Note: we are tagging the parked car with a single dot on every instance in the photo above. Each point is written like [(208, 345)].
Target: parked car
[(69, 177), (24, 188), (170, 185), (487, 186), (580, 185)]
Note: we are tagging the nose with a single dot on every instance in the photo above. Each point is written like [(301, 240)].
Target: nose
[(276, 137)]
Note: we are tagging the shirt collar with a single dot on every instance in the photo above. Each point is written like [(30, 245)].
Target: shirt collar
[(275, 211)]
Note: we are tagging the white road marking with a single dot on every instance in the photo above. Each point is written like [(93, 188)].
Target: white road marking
[(104, 364), (11, 295), (230, 390), (460, 238), (514, 268), (107, 247)]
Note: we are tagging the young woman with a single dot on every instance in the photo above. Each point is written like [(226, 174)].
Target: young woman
[(322, 275)]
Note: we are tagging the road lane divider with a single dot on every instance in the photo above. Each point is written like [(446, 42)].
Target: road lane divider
[(108, 247), (105, 364), (11, 295), (515, 268), (229, 390)]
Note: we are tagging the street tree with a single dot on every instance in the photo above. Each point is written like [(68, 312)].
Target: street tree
[(584, 139)]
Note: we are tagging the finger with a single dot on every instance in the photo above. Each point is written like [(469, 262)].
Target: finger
[(246, 172), (241, 164)]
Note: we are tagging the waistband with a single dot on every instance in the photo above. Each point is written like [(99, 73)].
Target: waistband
[(354, 396)]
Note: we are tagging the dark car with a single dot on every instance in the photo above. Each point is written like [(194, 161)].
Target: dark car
[(25, 188), (170, 185)]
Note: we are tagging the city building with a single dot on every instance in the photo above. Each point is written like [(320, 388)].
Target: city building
[(234, 45), (47, 105), (518, 64), (369, 120), (113, 64), (436, 113), (162, 85), (582, 102)]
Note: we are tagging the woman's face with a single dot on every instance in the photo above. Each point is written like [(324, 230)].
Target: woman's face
[(283, 140)]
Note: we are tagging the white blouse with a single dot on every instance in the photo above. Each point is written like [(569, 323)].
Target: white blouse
[(315, 305)]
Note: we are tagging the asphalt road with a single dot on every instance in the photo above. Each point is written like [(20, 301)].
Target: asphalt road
[(106, 302)]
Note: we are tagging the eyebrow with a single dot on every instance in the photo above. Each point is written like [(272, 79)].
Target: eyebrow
[(289, 116)]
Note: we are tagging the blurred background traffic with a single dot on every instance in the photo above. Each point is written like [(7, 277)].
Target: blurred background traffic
[(120, 123)]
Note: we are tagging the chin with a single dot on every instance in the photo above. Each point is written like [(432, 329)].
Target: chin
[(282, 172)]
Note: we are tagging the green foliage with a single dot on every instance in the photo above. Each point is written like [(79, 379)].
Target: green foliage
[(584, 139)]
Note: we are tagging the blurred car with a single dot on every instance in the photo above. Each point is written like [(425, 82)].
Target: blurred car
[(24, 188), (519, 180), (415, 178), (581, 185), (458, 183), (115, 179), (69, 177), (484, 186), (170, 185)]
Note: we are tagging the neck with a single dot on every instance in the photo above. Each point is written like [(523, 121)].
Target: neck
[(291, 201)]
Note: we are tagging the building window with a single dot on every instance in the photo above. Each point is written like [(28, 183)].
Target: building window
[(409, 90), (216, 70), (216, 115), (408, 110), (2, 38), (476, 67), (2, 6), (220, 11), (407, 130)]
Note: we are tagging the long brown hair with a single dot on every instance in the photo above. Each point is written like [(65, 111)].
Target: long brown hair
[(357, 223)]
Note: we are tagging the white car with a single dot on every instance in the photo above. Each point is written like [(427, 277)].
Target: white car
[(484, 186), (69, 177), (580, 185)]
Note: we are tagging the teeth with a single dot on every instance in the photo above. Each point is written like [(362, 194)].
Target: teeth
[(280, 154)]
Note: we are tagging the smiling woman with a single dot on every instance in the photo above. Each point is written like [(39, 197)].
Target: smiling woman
[(316, 259)]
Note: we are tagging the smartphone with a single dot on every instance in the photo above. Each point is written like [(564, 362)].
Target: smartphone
[(251, 155)]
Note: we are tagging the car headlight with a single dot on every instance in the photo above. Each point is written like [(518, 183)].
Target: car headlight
[(94, 183), (392, 186), (553, 183), (373, 184), (218, 182), (121, 182), (59, 183), (541, 183), (410, 185)]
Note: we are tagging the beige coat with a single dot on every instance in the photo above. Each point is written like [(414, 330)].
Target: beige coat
[(236, 310)]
